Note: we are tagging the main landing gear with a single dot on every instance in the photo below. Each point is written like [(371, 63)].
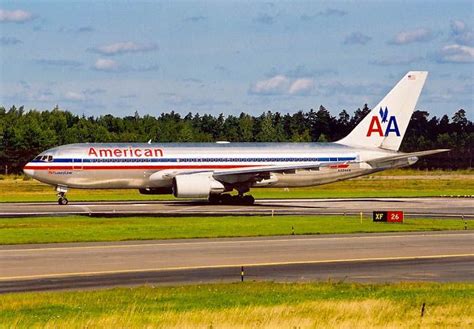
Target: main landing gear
[(227, 199), (62, 190)]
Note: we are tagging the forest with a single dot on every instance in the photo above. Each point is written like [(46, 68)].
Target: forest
[(25, 133)]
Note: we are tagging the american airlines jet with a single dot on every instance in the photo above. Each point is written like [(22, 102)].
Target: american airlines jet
[(207, 170)]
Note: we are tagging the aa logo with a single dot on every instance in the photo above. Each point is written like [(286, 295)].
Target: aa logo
[(376, 124)]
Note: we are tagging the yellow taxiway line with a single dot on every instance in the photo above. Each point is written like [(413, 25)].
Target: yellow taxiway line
[(346, 260)]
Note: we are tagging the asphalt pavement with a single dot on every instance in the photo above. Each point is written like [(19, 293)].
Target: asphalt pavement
[(384, 257), (415, 207)]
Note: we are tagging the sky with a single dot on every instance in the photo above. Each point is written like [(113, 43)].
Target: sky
[(118, 57)]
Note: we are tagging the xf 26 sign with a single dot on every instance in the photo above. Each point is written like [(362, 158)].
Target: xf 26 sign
[(388, 216)]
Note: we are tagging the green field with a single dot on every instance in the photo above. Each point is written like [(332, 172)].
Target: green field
[(247, 305), (392, 183), (80, 228)]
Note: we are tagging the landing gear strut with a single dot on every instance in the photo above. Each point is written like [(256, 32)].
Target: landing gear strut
[(62, 200), (231, 199)]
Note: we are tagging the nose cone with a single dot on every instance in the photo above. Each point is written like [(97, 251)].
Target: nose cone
[(28, 171)]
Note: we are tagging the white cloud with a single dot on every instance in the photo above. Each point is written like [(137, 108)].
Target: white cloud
[(195, 19), (58, 62), (124, 47), (301, 86), (282, 85), (85, 95), (461, 33), (456, 54), (387, 61), (333, 12), (301, 71), (9, 41), (417, 35), (264, 18), (356, 38), (74, 96), (103, 64), (110, 65), (326, 13), (277, 85), (16, 16)]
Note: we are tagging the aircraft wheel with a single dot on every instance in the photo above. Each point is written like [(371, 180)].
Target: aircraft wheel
[(63, 201), (248, 200), (236, 199), (226, 199), (215, 199)]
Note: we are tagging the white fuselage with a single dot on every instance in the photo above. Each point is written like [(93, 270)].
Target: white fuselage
[(138, 166)]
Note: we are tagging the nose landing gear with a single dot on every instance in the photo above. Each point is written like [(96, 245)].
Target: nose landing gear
[(62, 200), (62, 190)]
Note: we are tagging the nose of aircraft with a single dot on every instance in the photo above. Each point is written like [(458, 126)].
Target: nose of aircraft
[(28, 171)]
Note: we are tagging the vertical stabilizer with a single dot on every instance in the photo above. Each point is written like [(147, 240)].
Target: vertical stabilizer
[(385, 126)]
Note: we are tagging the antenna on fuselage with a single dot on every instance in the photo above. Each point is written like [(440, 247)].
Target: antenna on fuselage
[(149, 142)]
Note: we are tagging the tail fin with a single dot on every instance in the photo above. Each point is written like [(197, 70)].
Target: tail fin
[(385, 126)]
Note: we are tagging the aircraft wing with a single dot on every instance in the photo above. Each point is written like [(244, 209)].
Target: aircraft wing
[(243, 174), (402, 156), (267, 169)]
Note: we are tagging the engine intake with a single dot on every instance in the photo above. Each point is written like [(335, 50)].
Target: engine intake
[(199, 185)]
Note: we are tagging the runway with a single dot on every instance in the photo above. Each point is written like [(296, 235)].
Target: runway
[(430, 256), (415, 207)]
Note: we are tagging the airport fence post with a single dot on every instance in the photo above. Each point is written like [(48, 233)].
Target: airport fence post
[(292, 230), (423, 309)]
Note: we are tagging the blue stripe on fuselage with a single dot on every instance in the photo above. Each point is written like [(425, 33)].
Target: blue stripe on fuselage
[(299, 159)]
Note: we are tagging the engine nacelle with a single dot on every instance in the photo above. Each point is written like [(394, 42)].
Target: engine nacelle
[(199, 185)]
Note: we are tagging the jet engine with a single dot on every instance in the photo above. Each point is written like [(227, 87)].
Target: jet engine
[(199, 185)]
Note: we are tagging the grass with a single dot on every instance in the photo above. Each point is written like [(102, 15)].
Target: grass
[(392, 183), (81, 229), (247, 305)]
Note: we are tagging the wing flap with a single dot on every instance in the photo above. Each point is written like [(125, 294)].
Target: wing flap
[(270, 169), (258, 173)]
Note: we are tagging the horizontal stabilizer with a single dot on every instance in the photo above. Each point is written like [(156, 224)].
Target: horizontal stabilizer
[(401, 156)]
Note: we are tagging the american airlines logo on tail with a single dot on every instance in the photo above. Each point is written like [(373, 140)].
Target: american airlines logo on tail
[(376, 124)]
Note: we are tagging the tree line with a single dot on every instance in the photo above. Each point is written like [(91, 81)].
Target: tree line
[(24, 134)]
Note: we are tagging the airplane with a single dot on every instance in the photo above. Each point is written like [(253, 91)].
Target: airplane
[(212, 170)]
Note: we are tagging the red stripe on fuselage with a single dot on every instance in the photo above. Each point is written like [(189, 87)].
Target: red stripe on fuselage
[(339, 166)]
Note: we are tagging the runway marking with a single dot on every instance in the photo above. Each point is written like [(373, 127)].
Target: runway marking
[(177, 268), (158, 244)]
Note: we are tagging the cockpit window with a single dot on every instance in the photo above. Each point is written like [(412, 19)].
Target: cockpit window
[(45, 158)]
